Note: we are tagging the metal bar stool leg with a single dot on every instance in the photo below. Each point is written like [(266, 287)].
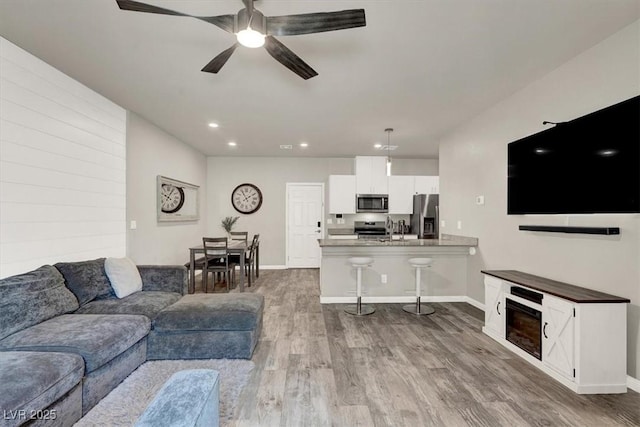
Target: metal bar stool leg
[(418, 308), (359, 309)]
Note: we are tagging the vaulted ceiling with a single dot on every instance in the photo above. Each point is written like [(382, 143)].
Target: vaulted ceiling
[(421, 67)]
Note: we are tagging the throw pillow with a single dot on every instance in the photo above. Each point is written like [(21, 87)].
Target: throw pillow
[(124, 276), (86, 279)]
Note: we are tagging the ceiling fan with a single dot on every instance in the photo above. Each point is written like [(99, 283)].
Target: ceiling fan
[(253, 29)]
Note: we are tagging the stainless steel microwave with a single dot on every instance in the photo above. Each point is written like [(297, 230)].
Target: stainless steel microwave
[(377, 203)]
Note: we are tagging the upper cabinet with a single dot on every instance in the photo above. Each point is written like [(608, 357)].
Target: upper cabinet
[(427, 185), (401, 194), (342, 194), (371, 175)]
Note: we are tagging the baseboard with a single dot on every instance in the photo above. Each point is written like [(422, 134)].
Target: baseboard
[(391, 299), (273, 267), (633, 383), (476, 304)]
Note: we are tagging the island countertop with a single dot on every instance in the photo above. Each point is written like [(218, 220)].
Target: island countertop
[(391, 279), (446, 240)]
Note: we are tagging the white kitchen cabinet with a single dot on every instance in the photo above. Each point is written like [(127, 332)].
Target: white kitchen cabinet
[(558, 335), (342, 194), (426, 185), (494, 320), (584, 332), (401, 194), (371, 175)]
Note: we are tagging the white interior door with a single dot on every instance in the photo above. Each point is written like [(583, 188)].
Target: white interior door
[(304, 224)]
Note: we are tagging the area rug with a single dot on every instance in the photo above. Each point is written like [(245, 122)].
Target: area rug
[(127, 402)]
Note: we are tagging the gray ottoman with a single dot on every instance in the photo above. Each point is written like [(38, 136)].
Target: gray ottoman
[(190, 398), (201, 326)]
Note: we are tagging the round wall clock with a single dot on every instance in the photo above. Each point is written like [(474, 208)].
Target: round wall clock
[(172, 198), (246, 198)]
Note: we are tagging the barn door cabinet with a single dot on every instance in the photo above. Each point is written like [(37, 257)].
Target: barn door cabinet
[(583, 332), (494, 319)]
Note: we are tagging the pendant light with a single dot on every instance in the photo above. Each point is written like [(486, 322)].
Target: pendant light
[(388, 131)]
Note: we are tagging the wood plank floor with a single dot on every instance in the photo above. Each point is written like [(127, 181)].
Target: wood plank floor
[(317, 366)]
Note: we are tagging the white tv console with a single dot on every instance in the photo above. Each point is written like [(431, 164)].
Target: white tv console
[(583, 332)]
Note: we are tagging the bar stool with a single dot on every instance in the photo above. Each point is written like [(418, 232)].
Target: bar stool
[(417, 308), (359, 310)]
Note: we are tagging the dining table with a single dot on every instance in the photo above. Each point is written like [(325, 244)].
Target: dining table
[(234, 247)]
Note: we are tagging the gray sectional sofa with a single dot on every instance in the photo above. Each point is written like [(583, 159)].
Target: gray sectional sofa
[(66, 341)]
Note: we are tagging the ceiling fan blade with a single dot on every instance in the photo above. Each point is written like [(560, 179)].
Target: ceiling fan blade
[(286, 57), (291, 25), (216, 63), (136, 6), (223, 21)]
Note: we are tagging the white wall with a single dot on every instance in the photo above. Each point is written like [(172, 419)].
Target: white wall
[(62, 167), (152, 152), (271, 174), (473, 162)]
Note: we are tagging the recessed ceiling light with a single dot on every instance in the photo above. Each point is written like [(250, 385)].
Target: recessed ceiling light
[(377, 146), (231, 144), (303, 145), (286, 147), (608, 152), (213, 125)]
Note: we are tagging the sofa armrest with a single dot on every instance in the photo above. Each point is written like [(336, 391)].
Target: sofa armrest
[(166, 278)]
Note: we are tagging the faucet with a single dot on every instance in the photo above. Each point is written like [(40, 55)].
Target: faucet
[(401, 226), (389, 228)]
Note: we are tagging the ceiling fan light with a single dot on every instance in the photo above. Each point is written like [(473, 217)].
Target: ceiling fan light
[(250, 38)]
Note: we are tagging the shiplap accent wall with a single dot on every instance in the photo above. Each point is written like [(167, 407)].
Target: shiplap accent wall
[(62, 167)]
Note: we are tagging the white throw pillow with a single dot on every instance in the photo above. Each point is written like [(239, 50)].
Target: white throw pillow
[(124, 276)]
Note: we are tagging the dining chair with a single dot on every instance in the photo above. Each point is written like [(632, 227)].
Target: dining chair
[(239, 235), (216, 260), (250, 259)]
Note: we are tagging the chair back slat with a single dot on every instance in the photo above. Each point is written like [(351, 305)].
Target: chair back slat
[(239, 235), (215, 247)]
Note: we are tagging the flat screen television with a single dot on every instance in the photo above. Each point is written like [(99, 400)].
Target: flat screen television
[(584, 166)]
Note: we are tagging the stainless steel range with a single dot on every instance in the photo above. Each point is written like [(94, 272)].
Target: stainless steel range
[(369, 229)]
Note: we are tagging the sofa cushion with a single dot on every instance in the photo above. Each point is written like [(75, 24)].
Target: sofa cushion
[(146, 303), (32, 381), (166, 278), (197, 312), (86, 279), (31, 298), (123, 276), (97, 338)]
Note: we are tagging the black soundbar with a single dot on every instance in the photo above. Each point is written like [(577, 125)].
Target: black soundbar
[(573, 230)]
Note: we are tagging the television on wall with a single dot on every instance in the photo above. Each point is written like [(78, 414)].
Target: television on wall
[(585, 166)]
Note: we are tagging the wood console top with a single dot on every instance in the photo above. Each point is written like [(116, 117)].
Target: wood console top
[(559, 289)]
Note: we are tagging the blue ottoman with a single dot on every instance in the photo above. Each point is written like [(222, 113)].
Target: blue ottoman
[(201, 326), (190, 398)]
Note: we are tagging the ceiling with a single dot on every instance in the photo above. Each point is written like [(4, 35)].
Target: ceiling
[(421, 67)]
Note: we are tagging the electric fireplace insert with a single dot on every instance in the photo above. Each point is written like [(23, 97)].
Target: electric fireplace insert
[(524, 324)]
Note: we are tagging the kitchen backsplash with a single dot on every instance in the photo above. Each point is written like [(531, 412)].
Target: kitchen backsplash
[(349, 219)]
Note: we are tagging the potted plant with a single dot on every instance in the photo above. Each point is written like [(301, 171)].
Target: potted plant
[(228, 223)]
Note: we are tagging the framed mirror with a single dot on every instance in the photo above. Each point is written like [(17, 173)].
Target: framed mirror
[(177, 200)]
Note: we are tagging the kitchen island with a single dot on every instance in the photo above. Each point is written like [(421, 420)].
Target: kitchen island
[(391, 279)]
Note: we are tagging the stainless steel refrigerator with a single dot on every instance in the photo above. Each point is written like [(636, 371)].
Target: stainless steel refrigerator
[(425, 219)]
